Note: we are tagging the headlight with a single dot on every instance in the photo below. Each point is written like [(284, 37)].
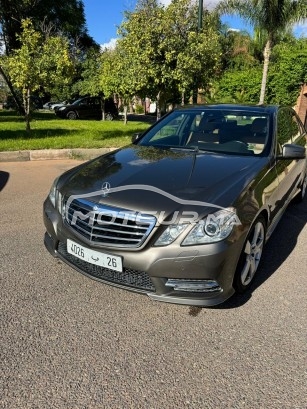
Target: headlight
[(61, 108), (215, 227), (170, 234), (53, 192)]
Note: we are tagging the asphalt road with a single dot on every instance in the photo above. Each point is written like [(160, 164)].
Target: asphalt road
[(67, 341)]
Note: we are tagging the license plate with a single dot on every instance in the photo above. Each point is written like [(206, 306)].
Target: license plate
[(94, 257)]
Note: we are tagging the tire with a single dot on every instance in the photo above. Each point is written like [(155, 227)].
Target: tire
[(302, 192), (250, 256), (71, 115)]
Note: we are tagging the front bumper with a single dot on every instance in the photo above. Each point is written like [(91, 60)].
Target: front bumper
[(149, 270)]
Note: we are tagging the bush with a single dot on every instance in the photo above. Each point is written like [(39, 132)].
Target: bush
[(139, 109)]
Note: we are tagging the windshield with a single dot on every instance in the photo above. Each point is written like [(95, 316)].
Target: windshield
[(234, 132), (77, 102)]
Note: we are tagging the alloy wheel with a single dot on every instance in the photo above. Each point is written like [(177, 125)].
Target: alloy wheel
[(71, 115), (250, 256)]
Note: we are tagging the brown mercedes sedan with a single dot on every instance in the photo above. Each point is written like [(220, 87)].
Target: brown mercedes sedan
[(182, 214)]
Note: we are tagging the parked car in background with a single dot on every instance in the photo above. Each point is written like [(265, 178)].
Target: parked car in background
[(47, 105), (55, 105), (184, 212), (88, 107), (36, 102)]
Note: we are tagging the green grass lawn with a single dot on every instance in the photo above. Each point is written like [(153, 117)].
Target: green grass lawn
[(50, 132)]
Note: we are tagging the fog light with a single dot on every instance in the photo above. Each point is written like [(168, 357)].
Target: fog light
[(201, 286)]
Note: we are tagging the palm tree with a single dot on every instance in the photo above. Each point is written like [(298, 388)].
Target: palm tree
[(273, 17)]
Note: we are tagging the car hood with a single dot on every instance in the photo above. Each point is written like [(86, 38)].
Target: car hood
[(146, 178)]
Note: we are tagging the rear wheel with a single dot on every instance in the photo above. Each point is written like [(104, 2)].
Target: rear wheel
[(251, 255), (71, 115)]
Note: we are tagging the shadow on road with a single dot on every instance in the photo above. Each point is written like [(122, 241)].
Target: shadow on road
[(277, 249), (4, 177)]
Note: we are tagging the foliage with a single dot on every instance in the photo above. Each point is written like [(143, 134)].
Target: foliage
[(139, 109), (198, 53), (288, 72), (142, 30), (237, 86), (271, 18), (240, 82), (49, 16), (238, 50), (89, 83), (119, 75), (159, 53), (38, 63)]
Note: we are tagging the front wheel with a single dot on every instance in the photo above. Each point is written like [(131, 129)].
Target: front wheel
[(251, 255), (71, 115)]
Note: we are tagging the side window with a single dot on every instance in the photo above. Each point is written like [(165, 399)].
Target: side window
[(196, 122), (94, 101)]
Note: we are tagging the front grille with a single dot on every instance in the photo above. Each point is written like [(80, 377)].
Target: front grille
[(106, 225), (133, 279)]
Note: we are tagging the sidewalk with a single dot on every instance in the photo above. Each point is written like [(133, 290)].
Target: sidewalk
[(50, 154)]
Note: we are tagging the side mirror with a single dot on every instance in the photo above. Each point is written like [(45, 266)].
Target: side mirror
[(291, 151), (135, 137)]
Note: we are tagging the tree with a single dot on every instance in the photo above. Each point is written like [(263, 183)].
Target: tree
[(50, 17), (288, 72), (141, 39), (238, 49), (272, 17), (56, 16), (237, 86), (193, 54), (38, 63), (163, 52), (121, 75), (98, 70)]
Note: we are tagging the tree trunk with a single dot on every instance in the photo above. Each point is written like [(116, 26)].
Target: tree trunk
[(103, 117), (159, 105), (267, 55), (182, 98), (125, 114), (16, 99), (26, 103)]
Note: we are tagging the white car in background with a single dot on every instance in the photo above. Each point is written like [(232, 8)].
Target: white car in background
[(55, 105), (47, 105)]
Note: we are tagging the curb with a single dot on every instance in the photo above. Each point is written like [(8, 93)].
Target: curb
[(52, 154)]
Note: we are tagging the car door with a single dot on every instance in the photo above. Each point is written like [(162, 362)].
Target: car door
[(289, 131), (83, 107), (95, 109), (91, 108)]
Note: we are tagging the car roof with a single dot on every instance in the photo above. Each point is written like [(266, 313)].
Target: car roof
[(231, 107)]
